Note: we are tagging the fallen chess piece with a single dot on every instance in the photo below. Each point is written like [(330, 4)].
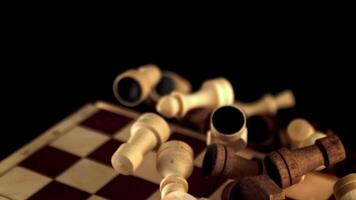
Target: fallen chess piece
[(169, 82), (213, 93), (301, 134), (228, 127), (263, 132), (256, 188), (222, 161), (345, 188), (147, 133), (175, 162), (269, 104), (287, 167), (134, 86)]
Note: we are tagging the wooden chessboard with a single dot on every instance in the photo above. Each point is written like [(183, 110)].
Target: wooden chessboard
[(72, 161)]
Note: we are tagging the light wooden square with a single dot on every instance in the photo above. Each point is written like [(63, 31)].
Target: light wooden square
[(80, 141), (21, 183), (147, 170), (87, 175), (124, 133)]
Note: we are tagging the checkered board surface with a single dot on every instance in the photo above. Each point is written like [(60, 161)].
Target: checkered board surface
[(72, 161)]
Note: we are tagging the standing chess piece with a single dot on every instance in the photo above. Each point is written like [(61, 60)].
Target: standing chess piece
[(286, 167), (345, 188), (213, 93), (256, 188), (301, 134), (169, 82), (133, 86), (147, 133), (175, 162), (269, 104), (222, 161), (228, 127)]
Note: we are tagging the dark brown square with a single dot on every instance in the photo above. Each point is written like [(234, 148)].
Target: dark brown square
[(59, 191), (201, 186), (104, 152), (49, 161), (128, 187), (197, 145), (106, 122)]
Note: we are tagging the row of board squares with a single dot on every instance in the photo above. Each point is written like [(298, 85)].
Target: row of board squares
[(75, 163)]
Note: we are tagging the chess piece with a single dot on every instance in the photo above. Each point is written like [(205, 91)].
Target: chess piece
[(213, 93), (133, 86), (286, 167), (222, 161), (170, 82), (256, 188), (301, 134), (228, 126), (263, 132), (175, 163), (147, 133), (345, 188), (269, 104)]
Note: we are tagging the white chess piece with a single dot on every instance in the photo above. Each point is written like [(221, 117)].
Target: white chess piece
[(213, 93), (147, 133), (269, 104)]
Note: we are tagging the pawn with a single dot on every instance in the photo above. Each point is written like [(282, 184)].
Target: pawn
[(256, 188), (269, 104), (301, 134), (286, 167), (133, 86), (345, 188), (170, 82), (147, 133), (213, 93), (174, 163), (228, 127), (222, 161)]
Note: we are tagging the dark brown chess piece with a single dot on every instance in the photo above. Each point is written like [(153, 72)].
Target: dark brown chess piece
[(256, 188), (286, 167), (222, 161)]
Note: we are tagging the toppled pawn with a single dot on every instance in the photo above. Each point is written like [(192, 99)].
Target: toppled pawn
[(213, 93), (222, 161), (256, 188), (169, 82), (286, 167), (228, 127), (345, 188), (269, 104), (147, 133), (133, 86), (301, 134), (174, 163)]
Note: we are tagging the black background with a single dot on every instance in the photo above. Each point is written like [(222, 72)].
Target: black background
[(47, 76)]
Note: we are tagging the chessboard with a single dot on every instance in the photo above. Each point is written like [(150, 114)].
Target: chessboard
[(71, 160)]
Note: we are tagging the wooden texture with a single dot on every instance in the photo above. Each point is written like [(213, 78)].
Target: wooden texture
[(213, 93), (222, 161), (169, 82), (345, 188), (144, 79), (286, 167), (301, 133), (228, 127), (174, 163), (269, 104), (147, 133), (256, 188)]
